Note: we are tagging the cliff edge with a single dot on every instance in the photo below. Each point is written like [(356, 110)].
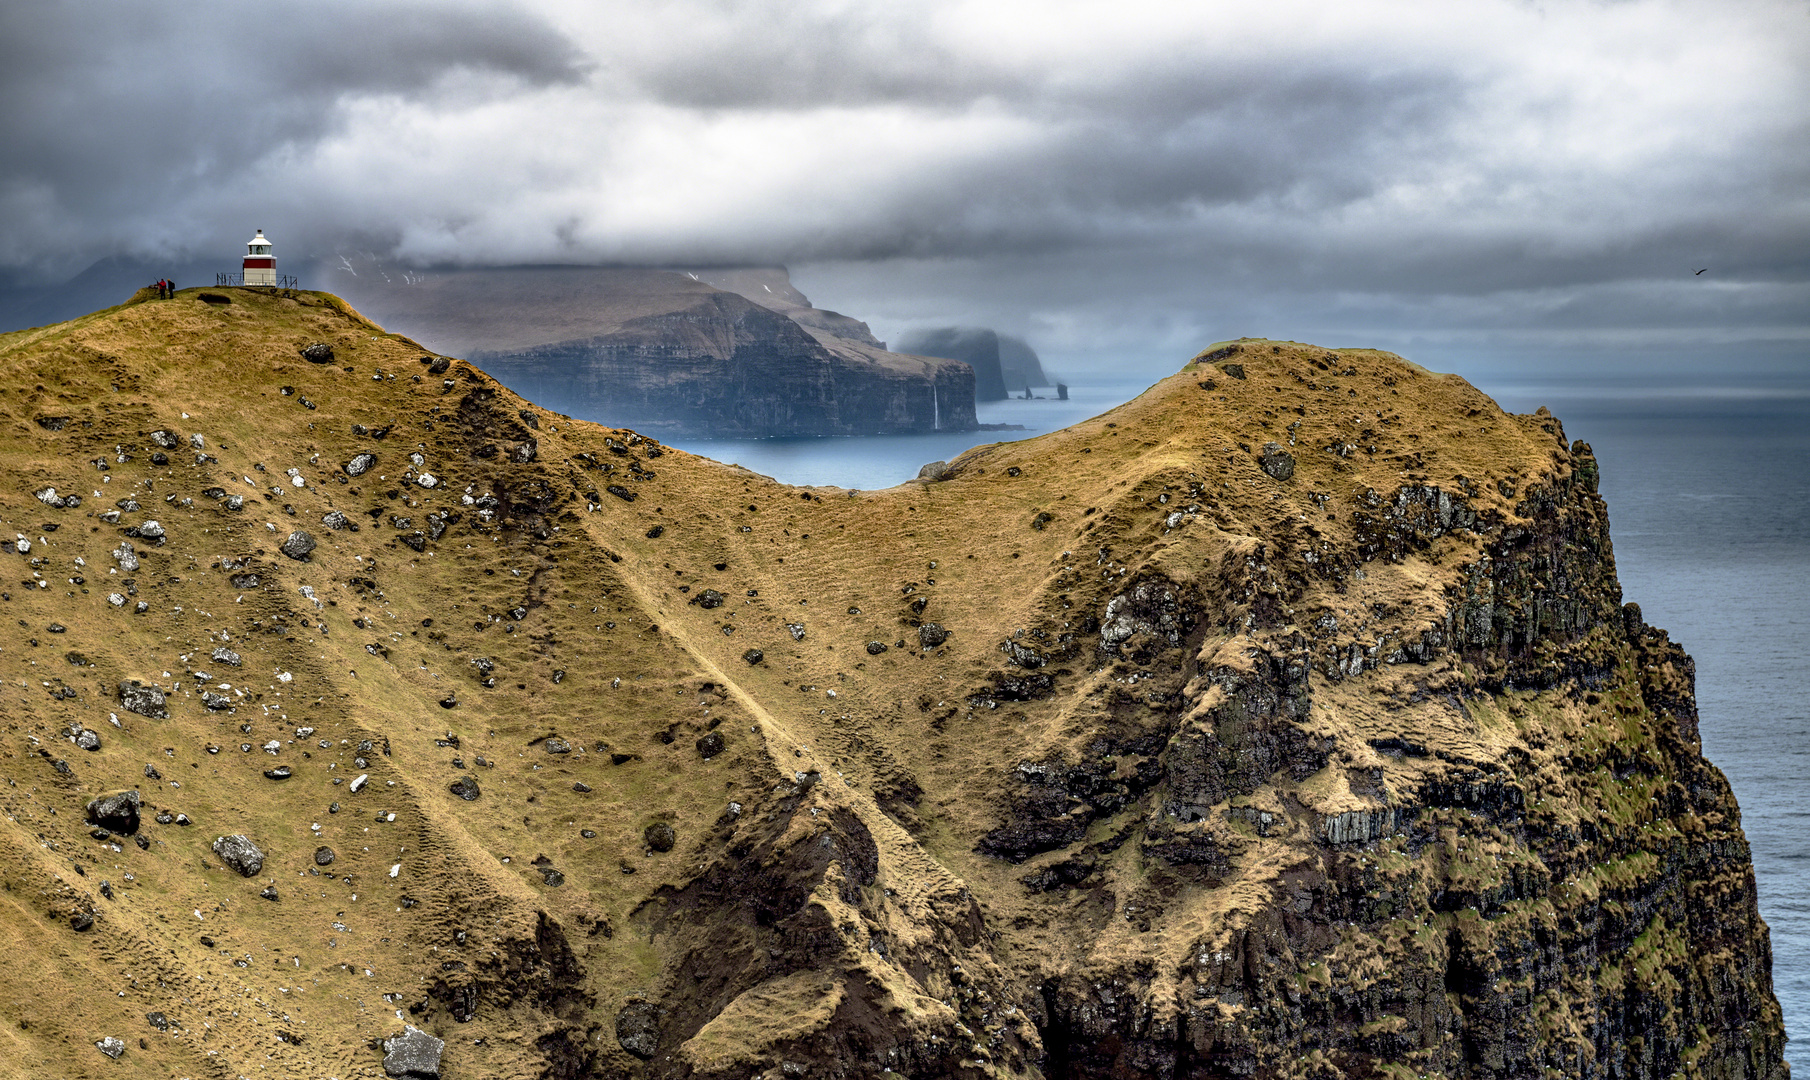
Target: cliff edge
[(362, 718)]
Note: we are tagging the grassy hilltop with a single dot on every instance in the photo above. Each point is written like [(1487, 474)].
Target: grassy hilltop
[(1284, 721)]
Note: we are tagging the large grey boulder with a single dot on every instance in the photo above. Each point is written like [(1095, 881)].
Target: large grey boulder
[(360, 464), (298, 545), (412, 1055), (238, 852), (116, 812), (1277, 462), (144, 700), (638, 1028)]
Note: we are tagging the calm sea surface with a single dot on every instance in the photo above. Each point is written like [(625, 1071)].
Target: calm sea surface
[(1709, 500)]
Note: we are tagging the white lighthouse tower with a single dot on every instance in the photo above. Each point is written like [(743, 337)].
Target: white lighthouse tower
[(260, 264)]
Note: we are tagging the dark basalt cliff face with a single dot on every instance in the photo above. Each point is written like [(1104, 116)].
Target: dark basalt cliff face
[(979, 349), (1285, 722), (672, 353), (725, 367)]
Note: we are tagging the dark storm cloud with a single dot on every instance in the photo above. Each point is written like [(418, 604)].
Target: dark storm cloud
[(1087, 173), (115, 110)]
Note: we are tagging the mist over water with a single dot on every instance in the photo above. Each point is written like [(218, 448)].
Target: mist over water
[(1708, 486)]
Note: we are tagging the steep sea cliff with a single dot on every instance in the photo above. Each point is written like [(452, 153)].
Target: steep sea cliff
[(672, 353)]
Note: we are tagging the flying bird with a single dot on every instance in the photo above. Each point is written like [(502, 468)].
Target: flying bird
[(1701, 272)]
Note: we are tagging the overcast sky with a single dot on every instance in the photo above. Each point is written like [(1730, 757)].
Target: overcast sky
[(1486, 182)]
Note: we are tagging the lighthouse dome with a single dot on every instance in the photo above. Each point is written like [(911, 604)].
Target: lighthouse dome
[(258, 245)]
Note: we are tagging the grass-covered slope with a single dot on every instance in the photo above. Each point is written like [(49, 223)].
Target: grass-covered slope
[(1146, 747)]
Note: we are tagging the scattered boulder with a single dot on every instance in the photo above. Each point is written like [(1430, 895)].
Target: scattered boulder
[(638, 1028), (281, 772), (1277, 462), (466, 788), (334, 519), (158, 1021), (796, 629), (215, 702), (552, 877), (224, 655), (708, 599), (298, 545), (360, 464), (116, 812), (930, 635), (111, 1047), (659, 836), (268, 892), (324, 856), (557, 745), (754, 656), (165, 439), (81, 921), (238, 852), (127, 556), (88, 739), (318, 353), (412, 1055), (710, 745), (875, 648), (150, 530), (143, 700), (936, 470)]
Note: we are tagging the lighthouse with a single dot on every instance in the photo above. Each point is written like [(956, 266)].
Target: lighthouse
[(260, 264)]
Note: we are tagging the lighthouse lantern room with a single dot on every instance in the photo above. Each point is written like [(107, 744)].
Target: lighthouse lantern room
[(260, 264)]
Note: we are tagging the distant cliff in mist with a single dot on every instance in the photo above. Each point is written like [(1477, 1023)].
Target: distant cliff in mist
[(708, 354)]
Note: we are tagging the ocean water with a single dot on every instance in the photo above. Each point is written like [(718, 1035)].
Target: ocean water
[(881, 461), (1709, 502)]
